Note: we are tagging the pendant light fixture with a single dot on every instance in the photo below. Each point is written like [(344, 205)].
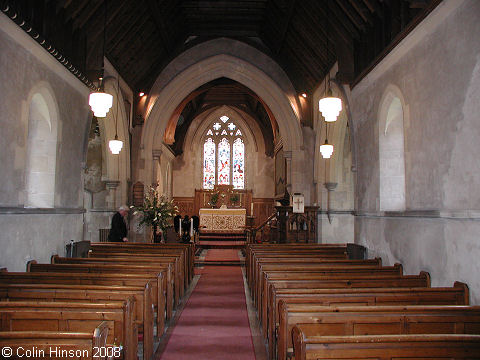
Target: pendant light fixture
[(326, 149), (116, 145), (100, 101), (330, 106)]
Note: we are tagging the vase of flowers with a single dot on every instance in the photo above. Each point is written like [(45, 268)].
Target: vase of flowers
[(156, 211), (234, 199), (213, 199)]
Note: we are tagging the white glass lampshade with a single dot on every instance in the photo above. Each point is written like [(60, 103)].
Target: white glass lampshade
[(115, 146), (326, 150), (330, 107), (100, 103)]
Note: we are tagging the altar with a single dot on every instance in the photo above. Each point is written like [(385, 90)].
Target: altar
[(222, 220)]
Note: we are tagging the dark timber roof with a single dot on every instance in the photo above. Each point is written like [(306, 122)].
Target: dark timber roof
[(142, 36)]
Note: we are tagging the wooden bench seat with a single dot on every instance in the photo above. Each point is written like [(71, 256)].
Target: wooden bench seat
[(456, 295), (91, 293), (319, 271), (385, 347), (268, 300), (39, 345), (179, 270), (165, 284), (298, 260), (73, 317), (155, 276), (177, 273), (187, 250), (374, 320), (117, 279)]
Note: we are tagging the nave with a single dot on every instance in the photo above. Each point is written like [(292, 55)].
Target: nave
[(214, 322), (148, 301)]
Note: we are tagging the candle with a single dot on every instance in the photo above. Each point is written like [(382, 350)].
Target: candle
[(191, 227), (251, 209), (179, 226)]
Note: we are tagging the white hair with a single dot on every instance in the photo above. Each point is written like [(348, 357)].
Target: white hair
[(123, 208)]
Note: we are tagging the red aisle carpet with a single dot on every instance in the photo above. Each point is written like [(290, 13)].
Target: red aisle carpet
[(214, 323)]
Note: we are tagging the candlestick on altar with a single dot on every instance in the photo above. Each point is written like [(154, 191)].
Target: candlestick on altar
[(179, 226), (191, 227), (251, 209)]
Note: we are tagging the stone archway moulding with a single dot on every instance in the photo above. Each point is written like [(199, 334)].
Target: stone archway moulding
[(210, 69)]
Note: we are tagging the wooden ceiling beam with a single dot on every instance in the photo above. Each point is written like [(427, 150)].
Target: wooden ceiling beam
[(374, 7), (72, 11), (125, 36), (159, 21), (96, 23), (352, 14), (362, 11), (199, 5), (333, 12), (82, 19)]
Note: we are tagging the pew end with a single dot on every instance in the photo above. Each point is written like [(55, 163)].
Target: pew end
[(426, 276), (466, 290), (29, 264)]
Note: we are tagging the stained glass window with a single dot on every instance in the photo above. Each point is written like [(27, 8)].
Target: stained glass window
[(208, 164), (223, 169), (238, 164), (224, 155)]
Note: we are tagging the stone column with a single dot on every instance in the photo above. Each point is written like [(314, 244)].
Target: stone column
[(112, 190), (156, 157), (288, 163)]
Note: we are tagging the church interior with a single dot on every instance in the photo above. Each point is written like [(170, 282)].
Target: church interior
[(216, 114)]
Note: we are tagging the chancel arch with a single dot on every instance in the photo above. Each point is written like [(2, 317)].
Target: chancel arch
[(41, 147), (236, 69), (391, 150)]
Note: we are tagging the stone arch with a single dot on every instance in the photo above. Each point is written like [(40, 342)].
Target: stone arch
[(391, 148), (212, 68), (41, 147)]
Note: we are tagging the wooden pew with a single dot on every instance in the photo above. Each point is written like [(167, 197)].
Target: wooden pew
[(338, 250), (165, 291), (172, 260), (155, 275), (174, 257), (284, 272), (368, 281), (374, 320), (62, 345), (186, 250), (87, 279), (73, 317), (91, 293), (252, 275), (385, 347), (456, 295)]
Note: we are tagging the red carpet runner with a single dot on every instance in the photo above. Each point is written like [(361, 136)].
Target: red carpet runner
[(214, 323)]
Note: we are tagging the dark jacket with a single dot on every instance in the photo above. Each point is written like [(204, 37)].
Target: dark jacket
[(119, 229)]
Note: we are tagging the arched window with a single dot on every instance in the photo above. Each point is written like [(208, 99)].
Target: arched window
[(391, 151), (225, 139), (42, 151)]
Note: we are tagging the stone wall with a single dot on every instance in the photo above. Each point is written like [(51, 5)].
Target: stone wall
[(27, 71), (437, 70)]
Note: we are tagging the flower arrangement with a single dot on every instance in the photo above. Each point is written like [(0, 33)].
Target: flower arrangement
[(234, 198), (157, 211), (213, 199)]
